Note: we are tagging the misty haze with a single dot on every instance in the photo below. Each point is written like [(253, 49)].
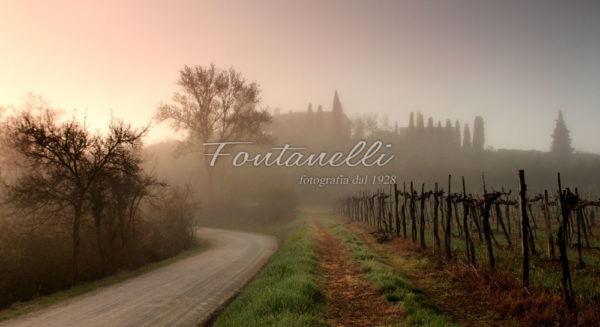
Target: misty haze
[(337, 163)]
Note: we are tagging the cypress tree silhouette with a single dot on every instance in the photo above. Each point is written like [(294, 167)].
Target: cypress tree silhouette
[(478, 134), (337, 105), (561, 141), (411, 124), (467, 138), (457, 134), (420, 124), (430, 126)]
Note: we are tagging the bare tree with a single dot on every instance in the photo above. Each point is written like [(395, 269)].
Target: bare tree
[(63, 161), (365, 126), (215, 105), (115, 201)]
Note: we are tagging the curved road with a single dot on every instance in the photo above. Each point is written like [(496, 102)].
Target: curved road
[(180, 294)]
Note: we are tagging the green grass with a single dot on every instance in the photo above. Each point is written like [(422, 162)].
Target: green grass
[(419, 308), (285, 293), (22, 308)]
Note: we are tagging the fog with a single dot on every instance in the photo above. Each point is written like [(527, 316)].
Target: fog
[(514, 63)]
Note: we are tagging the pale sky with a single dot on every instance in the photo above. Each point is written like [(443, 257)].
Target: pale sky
[(516, 63)]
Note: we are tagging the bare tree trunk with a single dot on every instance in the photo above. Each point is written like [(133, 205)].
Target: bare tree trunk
[(77, 239)]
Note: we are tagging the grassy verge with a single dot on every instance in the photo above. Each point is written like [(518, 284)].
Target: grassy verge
[(285, 293), (19, 309), (419, 308)]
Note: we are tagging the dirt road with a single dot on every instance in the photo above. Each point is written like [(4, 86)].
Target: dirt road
[(180, 294)]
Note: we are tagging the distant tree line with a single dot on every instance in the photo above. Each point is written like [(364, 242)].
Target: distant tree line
[(430, 135)]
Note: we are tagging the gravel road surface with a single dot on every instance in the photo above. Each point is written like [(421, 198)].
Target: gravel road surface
[(180, 294)]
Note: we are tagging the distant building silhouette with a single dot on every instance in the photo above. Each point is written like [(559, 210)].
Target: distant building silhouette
[(334, 130), (322, 129)]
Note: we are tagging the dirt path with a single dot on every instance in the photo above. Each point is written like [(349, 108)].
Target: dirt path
[(180, 294), (352, 299), (460, 304)]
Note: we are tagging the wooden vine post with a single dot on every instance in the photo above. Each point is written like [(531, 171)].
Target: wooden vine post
[(422, 216), (469, 246), (396, 210), (486, 206), (404, 210), (580, 225), (413, 220), (550, 240), (566, 282), (436, 206), (448, 233), (524, 229)]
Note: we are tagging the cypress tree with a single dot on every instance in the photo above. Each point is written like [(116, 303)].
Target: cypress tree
[(467, 138), (420, 124), (478, 134), (430, 126), (457, 134), (411, 124), (561, 141)]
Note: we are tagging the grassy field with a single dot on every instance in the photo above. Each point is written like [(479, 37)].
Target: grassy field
[(286, 292), (419, 308)]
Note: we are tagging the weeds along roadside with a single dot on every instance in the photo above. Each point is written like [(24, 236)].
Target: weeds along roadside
[(420, 310), (287, 292)]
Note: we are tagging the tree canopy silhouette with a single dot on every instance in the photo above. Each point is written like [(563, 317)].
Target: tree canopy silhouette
[(63, 162), (215, 105)]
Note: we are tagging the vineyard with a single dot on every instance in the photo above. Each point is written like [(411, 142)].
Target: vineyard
[(546, 243)]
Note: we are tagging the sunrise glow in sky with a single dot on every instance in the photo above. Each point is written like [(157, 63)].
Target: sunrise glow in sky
[(516, 63)]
